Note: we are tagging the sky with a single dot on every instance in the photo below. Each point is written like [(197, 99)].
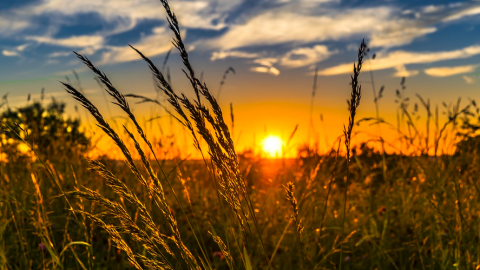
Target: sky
[(274, 46)]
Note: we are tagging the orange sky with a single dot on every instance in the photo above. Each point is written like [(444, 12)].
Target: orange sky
[(256, 121), (434, 45)]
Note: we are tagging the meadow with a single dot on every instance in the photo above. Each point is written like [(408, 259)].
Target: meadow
[(355, 207)]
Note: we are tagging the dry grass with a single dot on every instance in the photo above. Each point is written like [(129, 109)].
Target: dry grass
[(370, 210)]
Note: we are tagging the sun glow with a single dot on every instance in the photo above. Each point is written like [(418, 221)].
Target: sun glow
[(272, 146)]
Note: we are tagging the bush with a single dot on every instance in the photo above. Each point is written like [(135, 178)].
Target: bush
[(45, 128)]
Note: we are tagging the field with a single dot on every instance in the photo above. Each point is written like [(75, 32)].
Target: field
[(355, 207)]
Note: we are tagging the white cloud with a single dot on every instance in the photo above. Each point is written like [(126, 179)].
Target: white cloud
[(73, 41), (385, 26), (403, 72), (433, 8), (60, 54), (268, 62), (15, 51), (399, 33), (21, 48), (152, 45), (399, 58), (11, 24), (206, 14), (449, 71), (306, 56), (10, 53), (266, 66), (295, 58), (300, 23), (467, 79), (277, 27), (118, 16), (462, 13), (269, 70), (232, 54)]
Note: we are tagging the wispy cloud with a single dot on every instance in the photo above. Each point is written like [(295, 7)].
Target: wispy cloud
[(279, 27), (399, 33), (10, 53), (294, 32), (157, 43), (232, 54), (269, 70), (306, 56), (10, 24), (449, 71), (15, 51), (295, 58), (401, 71), (467, 79), (73, 41), (268, 62), (206, 14), (462, 13), (385, 25), (60, 54), (402, 58)]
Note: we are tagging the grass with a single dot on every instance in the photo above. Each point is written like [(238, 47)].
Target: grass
[(366, 210)]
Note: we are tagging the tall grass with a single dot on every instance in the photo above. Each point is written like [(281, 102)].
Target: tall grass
[(353, 104), (369, 210)]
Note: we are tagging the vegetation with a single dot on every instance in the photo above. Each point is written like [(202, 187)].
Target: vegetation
[(356, 209), (45, 128)]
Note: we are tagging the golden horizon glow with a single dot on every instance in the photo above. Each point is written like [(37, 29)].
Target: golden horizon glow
[(272, 146)]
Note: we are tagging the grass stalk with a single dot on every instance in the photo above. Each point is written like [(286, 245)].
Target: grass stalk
[(353, 104)]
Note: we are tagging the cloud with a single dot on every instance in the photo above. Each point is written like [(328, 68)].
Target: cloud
[(206, 14), (385, 26), (11, 24), (297, 28), (268, 62), (467, 79), (269, 70), (266, 66), (293, 59), (449, 71), (232, 54), (278, 27), (157, 43), (471, 11), (60, 54), (73, 41), (399, 33), (10, 53), (306, 56), (433, 8), (403, 72), (22, 47), (116, 17), (402, 58)]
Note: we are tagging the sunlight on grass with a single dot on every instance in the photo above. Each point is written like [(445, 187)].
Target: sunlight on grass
[(148, 204)]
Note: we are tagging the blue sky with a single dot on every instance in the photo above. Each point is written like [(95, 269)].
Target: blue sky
[(268, 35), (273, 44)]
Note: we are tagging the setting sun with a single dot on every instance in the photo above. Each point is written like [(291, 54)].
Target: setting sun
[(272, 146)]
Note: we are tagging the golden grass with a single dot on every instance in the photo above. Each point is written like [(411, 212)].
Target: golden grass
[(368, 211)]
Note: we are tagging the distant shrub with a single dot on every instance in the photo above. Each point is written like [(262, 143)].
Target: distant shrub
[(46, 128)]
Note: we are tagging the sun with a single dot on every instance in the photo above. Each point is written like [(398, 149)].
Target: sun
[(272, 146)]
